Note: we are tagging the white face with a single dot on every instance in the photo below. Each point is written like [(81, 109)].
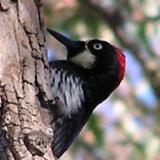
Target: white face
[(85, 59)]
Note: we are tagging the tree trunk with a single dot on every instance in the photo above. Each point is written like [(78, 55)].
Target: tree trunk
[(25, 133)]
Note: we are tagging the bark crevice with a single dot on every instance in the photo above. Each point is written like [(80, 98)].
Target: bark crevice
[(25, 94)]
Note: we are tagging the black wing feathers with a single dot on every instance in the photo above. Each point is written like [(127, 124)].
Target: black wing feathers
[(69, 89), (66, 130)]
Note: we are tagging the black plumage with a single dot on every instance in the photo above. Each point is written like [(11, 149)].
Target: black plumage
[(81, 84)]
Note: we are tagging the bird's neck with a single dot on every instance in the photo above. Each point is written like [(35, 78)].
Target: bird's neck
[(104, 79)]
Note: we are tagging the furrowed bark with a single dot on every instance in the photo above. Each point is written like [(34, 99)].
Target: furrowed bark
[(25, 133)]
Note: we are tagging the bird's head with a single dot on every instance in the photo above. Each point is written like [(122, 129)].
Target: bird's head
[(88, 53)]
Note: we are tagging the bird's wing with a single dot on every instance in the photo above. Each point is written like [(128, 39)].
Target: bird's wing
[(65, 131), (69, 90)]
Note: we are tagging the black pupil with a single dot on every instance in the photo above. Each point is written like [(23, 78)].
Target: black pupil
[(97, 46)]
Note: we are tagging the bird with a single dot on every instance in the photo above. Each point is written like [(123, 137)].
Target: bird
[(92, 70)]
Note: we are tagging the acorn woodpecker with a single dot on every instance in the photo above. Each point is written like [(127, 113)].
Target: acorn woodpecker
[(93, 69)]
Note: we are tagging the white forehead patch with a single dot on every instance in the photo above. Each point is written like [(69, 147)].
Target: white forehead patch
[(84, 59)]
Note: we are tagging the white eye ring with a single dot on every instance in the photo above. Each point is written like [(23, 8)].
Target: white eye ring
[(97, 46)]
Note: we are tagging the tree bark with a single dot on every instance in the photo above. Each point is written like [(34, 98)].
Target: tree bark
[(25, 133)]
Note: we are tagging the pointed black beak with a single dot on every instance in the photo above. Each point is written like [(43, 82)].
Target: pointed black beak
[(72, 46), (63, 39)]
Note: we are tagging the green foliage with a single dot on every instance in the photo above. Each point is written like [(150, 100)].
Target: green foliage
[(95, 127)]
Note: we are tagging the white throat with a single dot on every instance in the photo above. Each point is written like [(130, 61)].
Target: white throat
[(84, 59)]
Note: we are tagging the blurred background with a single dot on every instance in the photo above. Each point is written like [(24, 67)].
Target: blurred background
[(127, 125)]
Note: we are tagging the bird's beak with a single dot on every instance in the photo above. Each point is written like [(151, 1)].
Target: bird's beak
[(67, 42)]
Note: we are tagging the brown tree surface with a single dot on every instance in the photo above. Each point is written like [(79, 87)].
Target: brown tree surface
[(24, 83)]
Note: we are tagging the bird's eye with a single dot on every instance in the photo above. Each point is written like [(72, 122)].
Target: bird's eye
[(97, 46)]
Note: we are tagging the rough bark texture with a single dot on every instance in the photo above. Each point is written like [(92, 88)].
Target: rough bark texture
[(24, 83)]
